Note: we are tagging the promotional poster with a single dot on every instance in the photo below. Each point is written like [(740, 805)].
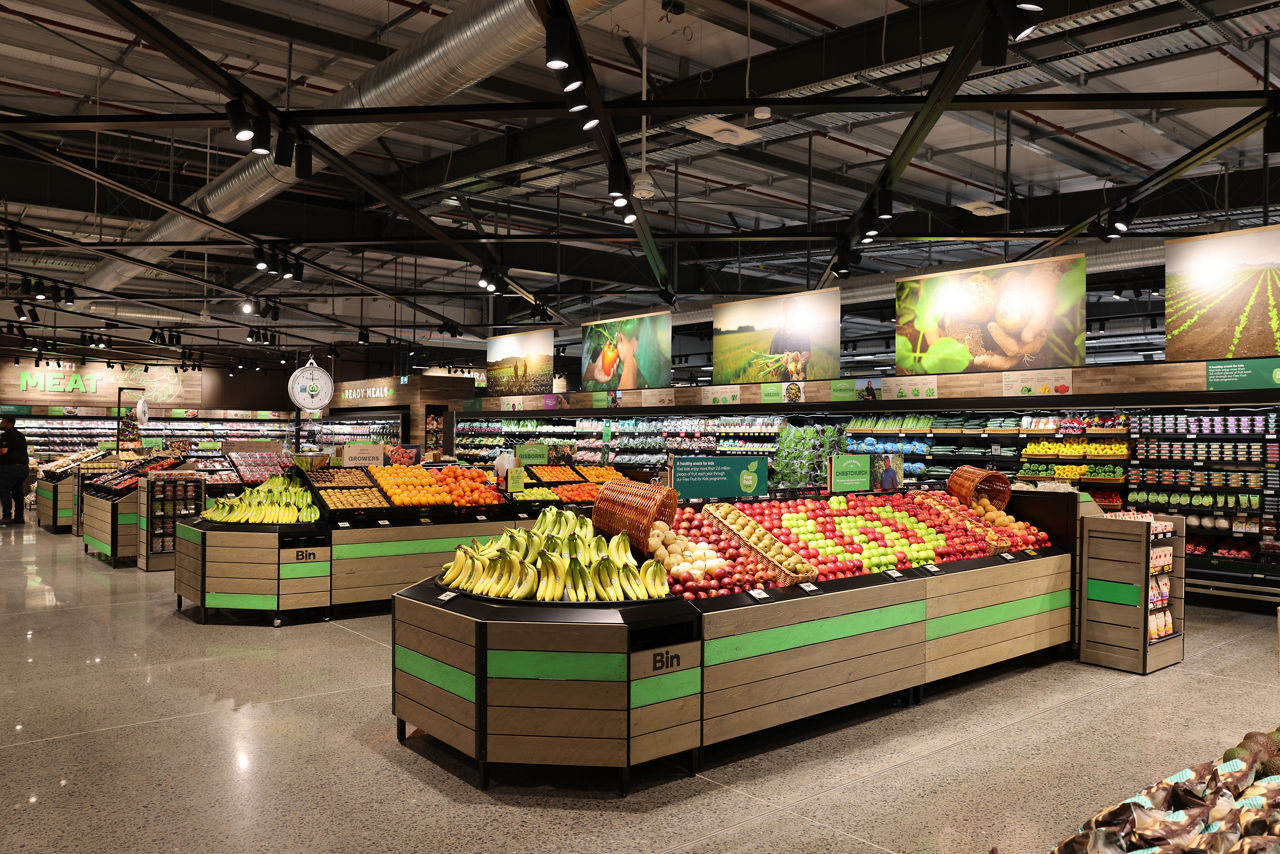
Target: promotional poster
[(522, 363), (777, 339), (627, 353)]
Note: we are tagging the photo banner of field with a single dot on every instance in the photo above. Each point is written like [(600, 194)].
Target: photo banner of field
[(1023, 316), (627, 353), (1222, 296), (777, 339), (522, 363)]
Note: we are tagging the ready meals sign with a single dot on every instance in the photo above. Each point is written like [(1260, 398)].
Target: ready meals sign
[(370, 393), (57, 381)]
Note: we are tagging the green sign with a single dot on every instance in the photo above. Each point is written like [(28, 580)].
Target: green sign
[(14, 409), (471, 404), (181, 413), (106, 446), (1242, 374), (772, 392), (599, 399), (607, 432), (262, 415), (720, 477), (515, 479), (207, 446), (844, 389), (152, 442), (532, 454), (850, 473), (58, 381), (57, 410)]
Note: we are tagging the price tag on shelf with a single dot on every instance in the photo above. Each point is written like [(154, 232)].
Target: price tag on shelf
[(1008, 557), (1194, 488), (758, 595), (932, 568), (1191, 435), (344, 524), (809, 588), (894, 574), (1198, 463), (384, 523), (445, 597)]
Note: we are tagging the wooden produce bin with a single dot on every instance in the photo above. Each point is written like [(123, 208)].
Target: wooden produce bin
[(56, 504), (109, 525), (516, 683), (252, 567), (1116, 607)]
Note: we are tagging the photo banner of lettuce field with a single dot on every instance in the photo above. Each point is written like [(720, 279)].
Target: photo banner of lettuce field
[(522, 363), (1021, 316), (777, 339), (1222, 296), (627, 353)]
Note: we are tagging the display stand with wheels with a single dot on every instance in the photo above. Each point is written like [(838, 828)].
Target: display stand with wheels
[(165, 498), (56, 503), (109, 522)]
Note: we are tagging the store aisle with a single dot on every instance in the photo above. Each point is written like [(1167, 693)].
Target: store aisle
[(126, 726)]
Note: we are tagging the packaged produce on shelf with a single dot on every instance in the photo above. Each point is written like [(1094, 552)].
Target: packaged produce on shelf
[(413, 486), (223, 476), (890, 423), (640, 460), (353, 499), (1039, 423), (884, 445), (1227, 425), (257, 466), (560, 559), (343, 477), (1106, 498), (279, 500), (803, 453)]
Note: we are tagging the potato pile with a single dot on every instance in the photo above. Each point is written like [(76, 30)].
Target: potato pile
[(990, 513), (666, 545), (353, 499)]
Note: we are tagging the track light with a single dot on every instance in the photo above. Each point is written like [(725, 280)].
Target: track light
[(104, 342), (261, 135), (591, 123), (667, 296), (570, 81), (866, 238), (491, 287), (630, 218), (1028, 6), (40, 292), (884, 203), (995, 43), (297, 270), (262, 308), (1122, 217), (618, 189), (146, 369), (31, 314), (302, 165), (155, 336), (1095, 229), (485, 276), (620, 202), (282, 361), (284, 148), (12, 241), (362, 337), (175, 338), (248, 336), (68, 296), (286, 268), (259, 258), (27, 286), (1016, 21), (21, 311), (559, 46), (246, 307), (273, 263), (241, 125), (842, 263), (577, 101), (275, 313)]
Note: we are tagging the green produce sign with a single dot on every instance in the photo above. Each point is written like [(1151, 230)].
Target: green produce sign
[(532, 455), (720, 477), (850, 473), (1242, 374), (844, 390)]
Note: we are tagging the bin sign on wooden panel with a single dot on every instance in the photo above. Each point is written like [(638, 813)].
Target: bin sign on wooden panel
[(522, 363), (777, 339), (627, 353), (1222, 296), (1023, 316)]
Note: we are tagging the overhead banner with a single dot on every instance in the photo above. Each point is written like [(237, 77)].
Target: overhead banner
[(790, 338), (522, 363), (627, 353), (1222, 296), (1028, 315)]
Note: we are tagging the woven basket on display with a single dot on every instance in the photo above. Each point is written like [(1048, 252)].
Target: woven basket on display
[(631, 506), (968, 483)]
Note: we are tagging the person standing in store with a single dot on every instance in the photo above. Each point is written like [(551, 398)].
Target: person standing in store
[(13, 472), (888, 477)]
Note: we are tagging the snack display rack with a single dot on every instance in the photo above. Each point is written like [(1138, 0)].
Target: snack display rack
[(165, 500)]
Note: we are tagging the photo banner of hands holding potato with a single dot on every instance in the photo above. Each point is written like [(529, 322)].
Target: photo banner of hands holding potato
[(1006, 317)]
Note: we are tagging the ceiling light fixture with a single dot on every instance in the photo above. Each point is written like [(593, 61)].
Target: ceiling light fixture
[(284, 148), (995, 43), (40, 293), (1017, 22), (362, 337), (302, 163), (297, 270), (559, 46), (577, 101), (591, 123), (68, 297), (21, 311), (259, 258), (884, 203), (273, 263), (261, 135), (241, 124), (630, 217), (246, 307), (12, 241), (31, 313), (1095, 229)]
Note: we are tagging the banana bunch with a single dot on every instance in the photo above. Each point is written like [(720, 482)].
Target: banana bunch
[(277, 501), (558, 559)]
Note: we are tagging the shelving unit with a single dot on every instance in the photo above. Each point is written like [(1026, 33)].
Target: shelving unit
[(1117, 610), (49, 437), (165, 500)]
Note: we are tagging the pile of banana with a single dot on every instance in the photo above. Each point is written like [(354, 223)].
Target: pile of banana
[(277, 501), (561, 558)]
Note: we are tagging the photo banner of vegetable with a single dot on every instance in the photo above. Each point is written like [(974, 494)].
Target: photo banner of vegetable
[(1222, 296), (790, 338), (1023, 316), (523, 363), (627, 353)]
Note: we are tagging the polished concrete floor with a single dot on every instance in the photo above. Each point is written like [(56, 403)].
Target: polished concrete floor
[(125, 726)]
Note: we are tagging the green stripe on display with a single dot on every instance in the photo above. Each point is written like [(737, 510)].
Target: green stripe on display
[(142, 522), (1115, 592), (243, 601), (127, 519), (439, 674), (765, 641), (65, 512), (446, 544), (402, 547), (580, 666), (666, 686), (980, 618), (97, 545), (191, 535), (314, 569), (45, 493)]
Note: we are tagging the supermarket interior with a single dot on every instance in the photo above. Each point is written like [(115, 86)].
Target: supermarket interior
[(640, 425)]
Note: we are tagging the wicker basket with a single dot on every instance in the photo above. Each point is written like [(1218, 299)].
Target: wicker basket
[(968, 483), (786, 578), (631, 506)]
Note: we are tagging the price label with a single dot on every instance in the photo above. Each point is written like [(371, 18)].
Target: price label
[(384, 523), (928, 567), (1191, 435), (809, 588), (482, 518), (1008, 557), (344, 524), (1195, 489), (758, 595), (522, 515), (894, 574), (1270, 436), (445, 597), (1198, 463)]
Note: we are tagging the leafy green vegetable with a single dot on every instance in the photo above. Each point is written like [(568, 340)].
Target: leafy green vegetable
[(946, 356)]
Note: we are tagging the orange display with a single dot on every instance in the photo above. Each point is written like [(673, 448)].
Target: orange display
[(601, 474), (554, 474), (577, 492), (411, 486)]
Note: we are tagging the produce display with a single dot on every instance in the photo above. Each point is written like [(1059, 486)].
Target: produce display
[(353, 499), (554, 474), (803, 453), (1107, 498), (413, 486), (258, 467), (535, 493), (1230, 425), (601, 474), (279, 500), (702, 561), (1104, 472), (344, 477), (890, 424), (577, 493), (1226, 806), (560, 559)]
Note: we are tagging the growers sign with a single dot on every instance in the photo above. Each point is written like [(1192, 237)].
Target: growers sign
[(777, 339), (1027, 315), (628, 353), (850, 473), (720, 477)]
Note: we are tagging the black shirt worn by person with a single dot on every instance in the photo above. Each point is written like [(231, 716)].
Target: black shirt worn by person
[(15, 445)]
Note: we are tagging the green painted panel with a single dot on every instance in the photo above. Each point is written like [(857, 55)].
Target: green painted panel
[(765, 641), (980, 618), (312, 569), (439, 674), (583, 666), (665, 686), (97, 545), (126, 518), (243, 601), (191, 535), (402, 547), (1115, 592), (447, 544), (142, 522), (44, 493), (66, 512)]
